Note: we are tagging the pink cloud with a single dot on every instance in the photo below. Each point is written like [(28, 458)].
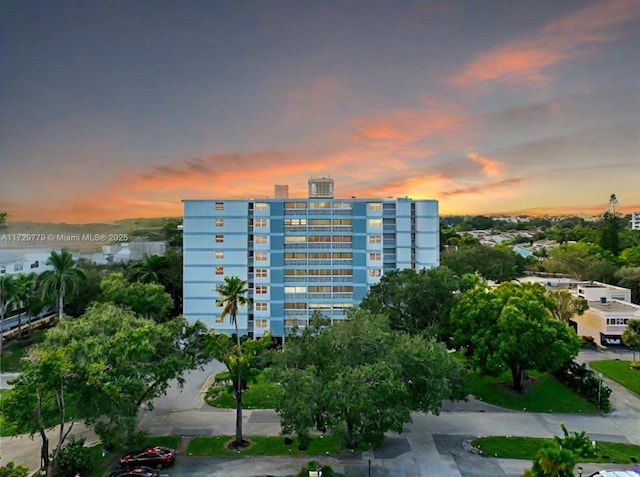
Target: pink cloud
[(491, 167), (526, 58)]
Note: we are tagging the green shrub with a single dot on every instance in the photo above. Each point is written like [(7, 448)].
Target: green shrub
[(327, 471), (74, 458), (13, 470), (584, 382)]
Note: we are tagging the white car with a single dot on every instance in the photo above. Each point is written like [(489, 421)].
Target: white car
[(615, 473)]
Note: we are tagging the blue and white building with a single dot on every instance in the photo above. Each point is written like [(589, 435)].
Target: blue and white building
[(300, 255)]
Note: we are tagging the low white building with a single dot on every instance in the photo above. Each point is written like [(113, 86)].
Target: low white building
[(635, 220)]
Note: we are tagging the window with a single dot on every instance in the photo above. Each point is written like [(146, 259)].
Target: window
[(35, 264), (295, 289), (295, 238), (219, 254), (219, 270), (261, 256), (261, 323), (261, 306), (320, 289), (295, 256), (260, 223), (319, 205), (261, 206), (342, 221), (319, 221), (343, 238), (375, 223), (261, 290), (17, 267), (295, 306), (288, 222), (375, 272), (261, 239), (219, 222), (373, 239), (343, 289), (319, 255), (3, 269), (219, 238), (261, 273), (342, 255), (342, 205), (295, 205), (375, 256), (374, 206), (219, 205)]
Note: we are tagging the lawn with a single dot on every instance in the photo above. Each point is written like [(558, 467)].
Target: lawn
[(259, 395), (526, 448), (542, 394), (619, 371), (16, 349), (263, 446)]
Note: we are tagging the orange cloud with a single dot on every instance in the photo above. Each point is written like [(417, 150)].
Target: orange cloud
[(404, 126), (524, 59), (491, 167)]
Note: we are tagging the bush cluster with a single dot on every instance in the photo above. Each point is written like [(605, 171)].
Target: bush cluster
[(584, 382), (74, 458)]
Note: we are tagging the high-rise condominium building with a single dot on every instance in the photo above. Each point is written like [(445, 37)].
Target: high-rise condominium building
[(300, 255)]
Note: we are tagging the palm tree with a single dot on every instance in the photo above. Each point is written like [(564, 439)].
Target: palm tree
[(8, 297), (631, 336), (62, 279), (233, 294), (24, 285), (146, 271)]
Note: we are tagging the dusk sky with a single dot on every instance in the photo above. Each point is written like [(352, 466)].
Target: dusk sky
[(115, 109)]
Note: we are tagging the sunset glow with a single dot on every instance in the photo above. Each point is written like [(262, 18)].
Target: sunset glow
[(123, 109)]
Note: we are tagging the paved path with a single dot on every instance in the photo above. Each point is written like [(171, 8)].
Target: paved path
[(429, 446)]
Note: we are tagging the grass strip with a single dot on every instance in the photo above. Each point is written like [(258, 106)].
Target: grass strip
[(512, 447), (274, 445), (619, 371)]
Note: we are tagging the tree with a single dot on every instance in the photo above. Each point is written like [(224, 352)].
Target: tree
[(582, 261), (491, 263), (233, 295), (146, 270), (148, 300), (8, 298), (62, 279), (126, 361), (222, 347), (3, 218), (88, 289), (508, 327), (567, 305), (417, 301), (631, 256), (47, 392), (24, 291), (629, 277), (631, 336), (360, 378)]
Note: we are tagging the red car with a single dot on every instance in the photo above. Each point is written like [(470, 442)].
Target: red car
[(154, 456), (135, 472)]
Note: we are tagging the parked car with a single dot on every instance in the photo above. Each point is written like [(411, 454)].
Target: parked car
[(135, 472), (615, 473), (154, 456)]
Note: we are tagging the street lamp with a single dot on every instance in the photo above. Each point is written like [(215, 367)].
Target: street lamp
[(599, 388)]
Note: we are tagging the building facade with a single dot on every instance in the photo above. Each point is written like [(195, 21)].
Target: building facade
[(300, 255), (635, 220)]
